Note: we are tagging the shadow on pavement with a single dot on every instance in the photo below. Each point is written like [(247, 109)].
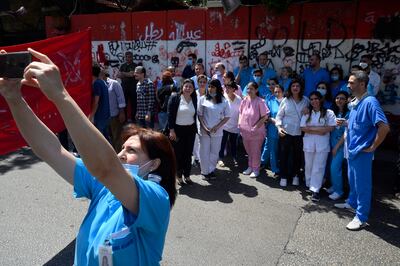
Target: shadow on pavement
[(64, 257), (21, 159), (227, 181)]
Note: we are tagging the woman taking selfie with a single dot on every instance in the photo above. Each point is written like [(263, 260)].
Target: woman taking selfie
[(130, 194)]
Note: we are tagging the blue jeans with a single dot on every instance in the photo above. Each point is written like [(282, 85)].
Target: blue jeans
[(336, 171), (162, 120), (360, 181), (270, 153), (102, 126)]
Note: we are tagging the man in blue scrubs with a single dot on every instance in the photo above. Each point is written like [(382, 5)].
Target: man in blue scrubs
[(263, 89), (314, 74), (367, 128)]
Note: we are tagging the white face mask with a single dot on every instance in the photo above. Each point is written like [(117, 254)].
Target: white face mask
[(322, 91), (363, 65)]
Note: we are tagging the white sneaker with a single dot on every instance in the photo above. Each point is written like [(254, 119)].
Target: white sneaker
[(295, 181), (247, 171), (343, 206), (335, 196), (255, 174), (221, 163), (355, 224), (283, 182)]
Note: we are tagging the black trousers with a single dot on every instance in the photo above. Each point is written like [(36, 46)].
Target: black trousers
[(290, 156), (233, 139), (131, 99), (183, 148)]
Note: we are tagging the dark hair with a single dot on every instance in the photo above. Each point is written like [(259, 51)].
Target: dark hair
[(368, 56), (230, 75), (289, 91), (166, 78), (263, 53), (257, 70), (193, 55), (338, 69), (335, 108), (328, 95), (322, 109), (255, 85), (356, 67), (200, 64), (156, 145), (187, 81), (217, 84), (280, 87), (96, 70), (202, 77), (275, 80), (232, 84), (128, 53), (243, 57), (316, 54)]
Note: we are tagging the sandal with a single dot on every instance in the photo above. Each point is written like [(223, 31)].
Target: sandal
[(180, 181), (188, 180)]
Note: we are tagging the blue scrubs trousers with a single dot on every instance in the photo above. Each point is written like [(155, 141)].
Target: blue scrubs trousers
[(360, 181), (270, 153), (336, 171)]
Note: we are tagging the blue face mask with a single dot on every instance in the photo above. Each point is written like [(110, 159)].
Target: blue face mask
[(262, 66), (322, 91), (257, 79), (134, 170), (189, 62), (334, 77)]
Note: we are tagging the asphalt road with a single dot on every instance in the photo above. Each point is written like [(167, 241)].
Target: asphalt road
[(235, 220)]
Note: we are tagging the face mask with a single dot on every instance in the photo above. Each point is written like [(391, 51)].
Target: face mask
[(322, 91), (257, 79), (261, 66), (213, 94), (134, 170), (363, 65), (334, 77), (218, 73), (189, 62)]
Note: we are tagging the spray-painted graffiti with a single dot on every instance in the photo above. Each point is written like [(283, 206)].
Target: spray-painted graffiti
[(181, 33)]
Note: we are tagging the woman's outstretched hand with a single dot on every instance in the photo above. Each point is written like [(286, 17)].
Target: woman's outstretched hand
[(44, 75)]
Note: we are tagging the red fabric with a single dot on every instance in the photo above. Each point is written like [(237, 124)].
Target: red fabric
[(72, 54)]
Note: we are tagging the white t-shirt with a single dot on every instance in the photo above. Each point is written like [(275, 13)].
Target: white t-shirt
[(232, 124), (313, 142), (185, 114), (212, 114)]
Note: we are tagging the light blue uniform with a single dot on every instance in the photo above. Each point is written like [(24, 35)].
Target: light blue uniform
[(312, 78), (285, 83), (362, 129), (270, 151), (337, 160), (268, 73), (246, 75), (144, 242)]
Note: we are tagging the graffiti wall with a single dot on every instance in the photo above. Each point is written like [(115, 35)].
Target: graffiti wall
[(341, 32)]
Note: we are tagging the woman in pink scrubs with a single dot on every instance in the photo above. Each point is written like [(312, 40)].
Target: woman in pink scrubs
[(253, 112)]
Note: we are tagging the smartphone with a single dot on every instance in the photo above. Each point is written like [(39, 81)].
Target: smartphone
[(12, 65)]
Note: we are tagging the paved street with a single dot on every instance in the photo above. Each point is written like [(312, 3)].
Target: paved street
[(232, 221)]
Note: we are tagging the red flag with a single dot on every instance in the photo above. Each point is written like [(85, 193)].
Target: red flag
[(72, 54)]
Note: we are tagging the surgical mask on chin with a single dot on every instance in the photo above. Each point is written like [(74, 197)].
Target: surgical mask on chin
[(322, 91), (334, 77), (257, 79), (218, 73), (134, 170), (213, 94)]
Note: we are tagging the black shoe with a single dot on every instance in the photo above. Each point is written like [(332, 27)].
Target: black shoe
[(315, 196), (212, 176), (196, 164), (206, 177)]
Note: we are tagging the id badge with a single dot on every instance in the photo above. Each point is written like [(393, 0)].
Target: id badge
[(105, 256)]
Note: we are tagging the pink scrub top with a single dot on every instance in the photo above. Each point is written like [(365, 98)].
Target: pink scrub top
[(250, 112)]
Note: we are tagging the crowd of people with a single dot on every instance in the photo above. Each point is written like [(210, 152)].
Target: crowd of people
[(294, 124)]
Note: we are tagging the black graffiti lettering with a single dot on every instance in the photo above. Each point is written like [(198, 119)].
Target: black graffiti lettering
[(114, 47), (184, 44), (288, 51), (144, 45), (175, 61), (155, 60)]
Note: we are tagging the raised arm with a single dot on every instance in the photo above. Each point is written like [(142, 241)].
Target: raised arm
[(96, 153)]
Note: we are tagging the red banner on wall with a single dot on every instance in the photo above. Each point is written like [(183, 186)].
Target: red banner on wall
[(72, 54)]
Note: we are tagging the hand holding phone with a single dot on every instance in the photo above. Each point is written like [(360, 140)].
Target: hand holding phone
[(12, 65)]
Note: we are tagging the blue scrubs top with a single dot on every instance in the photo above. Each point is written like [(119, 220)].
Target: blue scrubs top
[(263, 91), (285, 83), (335, 90), (273, 106), (268, 73), (245, 76), (312, 78), (363, 120), (337, 134), (143, 245)]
